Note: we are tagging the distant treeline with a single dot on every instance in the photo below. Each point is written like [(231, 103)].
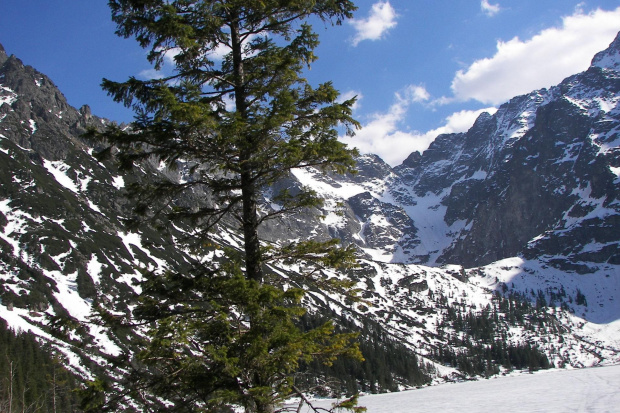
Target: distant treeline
[(388, 365), (32, 378), (477, 340)]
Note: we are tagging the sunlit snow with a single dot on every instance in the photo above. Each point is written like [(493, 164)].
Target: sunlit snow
[(118, 182), (131, 240), (584, 390), (58, 169), (434, 233), (311, 178), (94, 269), (7, 96)]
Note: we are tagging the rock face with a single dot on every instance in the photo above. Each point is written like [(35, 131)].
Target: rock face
[(30, 95), (539, 178), (550, 184), (62, 239)]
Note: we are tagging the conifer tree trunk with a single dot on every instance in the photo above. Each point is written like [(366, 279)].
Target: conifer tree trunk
[(248, 186), (265, 408), (249, 214), (250, 233), (11, 378)]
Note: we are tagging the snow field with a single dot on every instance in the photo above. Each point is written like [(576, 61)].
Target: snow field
[(584, 390)]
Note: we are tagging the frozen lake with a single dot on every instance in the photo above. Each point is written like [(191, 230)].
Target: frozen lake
[(585, 390)]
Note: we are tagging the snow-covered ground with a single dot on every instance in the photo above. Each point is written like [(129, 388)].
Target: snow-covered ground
[(582, 390)]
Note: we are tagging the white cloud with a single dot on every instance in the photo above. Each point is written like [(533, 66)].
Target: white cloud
[(382, 135), (170, 54), (489, 9), (217, 54), (579, 7), (519, 67), (150, 74), (416, 94), (382, 17)]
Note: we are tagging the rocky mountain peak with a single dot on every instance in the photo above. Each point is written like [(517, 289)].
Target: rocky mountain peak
[(412, 160), (35, 114), (610, 57), (3, 55)]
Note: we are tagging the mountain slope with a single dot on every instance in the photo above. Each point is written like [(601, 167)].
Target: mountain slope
[(62, 239), (523, 208)]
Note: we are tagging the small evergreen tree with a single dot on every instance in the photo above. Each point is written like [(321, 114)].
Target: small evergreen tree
[(580, 299), (225, 333)]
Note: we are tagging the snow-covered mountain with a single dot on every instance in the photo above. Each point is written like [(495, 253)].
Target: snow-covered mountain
[(490, 243), (539, 178)]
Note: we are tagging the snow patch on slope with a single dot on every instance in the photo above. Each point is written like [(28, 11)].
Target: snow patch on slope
[(434, 233), (7, 96), (59, 169)]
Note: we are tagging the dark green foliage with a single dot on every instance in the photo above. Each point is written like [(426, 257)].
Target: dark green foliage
[(217, 339), (478, 344), (476, 359), (580, 299), (33, 379), (387, 364)]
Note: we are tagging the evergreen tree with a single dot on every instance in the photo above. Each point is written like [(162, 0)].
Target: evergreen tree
[(32, 378), (226, 333)]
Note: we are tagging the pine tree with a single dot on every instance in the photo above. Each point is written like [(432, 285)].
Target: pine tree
[(226, 333), (32, 377)]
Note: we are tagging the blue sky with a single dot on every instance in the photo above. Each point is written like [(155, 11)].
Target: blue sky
[(418, 67)]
